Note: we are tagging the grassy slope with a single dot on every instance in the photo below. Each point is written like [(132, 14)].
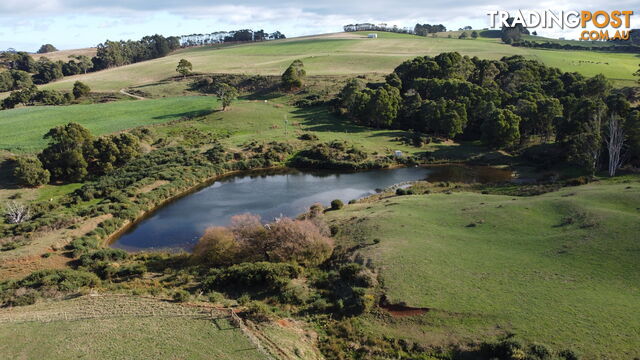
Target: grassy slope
[(340, 54), (23, 128), (66, 333), (520, 270)]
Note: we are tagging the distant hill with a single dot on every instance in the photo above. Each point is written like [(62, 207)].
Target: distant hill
[(340, 54)]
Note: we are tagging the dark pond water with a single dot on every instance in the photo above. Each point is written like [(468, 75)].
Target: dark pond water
[(270, 194)]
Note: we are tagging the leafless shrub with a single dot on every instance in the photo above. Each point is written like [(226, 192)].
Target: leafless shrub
[(17, 212)]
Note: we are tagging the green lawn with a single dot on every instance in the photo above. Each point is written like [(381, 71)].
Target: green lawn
[(560, 268), (345, 54), (23, 128)]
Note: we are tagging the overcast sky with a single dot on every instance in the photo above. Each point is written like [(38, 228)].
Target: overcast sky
[(26, 24)]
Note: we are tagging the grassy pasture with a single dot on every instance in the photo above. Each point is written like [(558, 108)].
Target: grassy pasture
[(61, 330), (560, 268), (23, 128), (345, 54)]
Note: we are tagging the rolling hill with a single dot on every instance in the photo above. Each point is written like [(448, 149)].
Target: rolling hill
[(558, 268), (345, 54)]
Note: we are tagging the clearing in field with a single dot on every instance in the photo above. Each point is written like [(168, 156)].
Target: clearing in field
[(559, 268)]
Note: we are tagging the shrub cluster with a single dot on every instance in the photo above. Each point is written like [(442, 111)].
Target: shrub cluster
[(247, 239)]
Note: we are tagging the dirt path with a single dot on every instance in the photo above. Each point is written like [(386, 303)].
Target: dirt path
[(122, 91)]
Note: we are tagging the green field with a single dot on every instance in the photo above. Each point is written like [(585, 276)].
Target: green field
[(559, 268), (22, 129), (345, 54)]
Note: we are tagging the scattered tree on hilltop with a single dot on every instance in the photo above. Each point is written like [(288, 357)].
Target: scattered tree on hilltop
[(46, 48), (293, 77), (184, 67), (227, 94)]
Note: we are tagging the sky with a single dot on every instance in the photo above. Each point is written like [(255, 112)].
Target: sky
[(70, 24)]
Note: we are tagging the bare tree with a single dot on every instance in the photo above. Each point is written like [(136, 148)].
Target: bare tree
[(615, 142), (16, 212)]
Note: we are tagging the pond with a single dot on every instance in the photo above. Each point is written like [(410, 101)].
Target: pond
[(270, 194)]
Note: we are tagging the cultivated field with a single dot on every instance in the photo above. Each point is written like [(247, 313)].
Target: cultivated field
[(345, 54), (559, 268)]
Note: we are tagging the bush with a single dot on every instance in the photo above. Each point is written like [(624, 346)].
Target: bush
[(308, 137), (262, 276), (63, 280), (30, 172), (217, 247), (80, 89), (103, 255), (337, 204), (258, 311), (181, 296)]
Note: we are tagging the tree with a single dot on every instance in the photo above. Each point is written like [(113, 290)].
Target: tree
[(30, 172), (464, 35), (501, 129), (64, 157), (217, 247), (474, 34), (226, 93), (184, 67), (46, 48), (47, 71), (293, 76), (615, 142), (17, 213), (83, 62), (383, 107), (80, 89), (637, 73)]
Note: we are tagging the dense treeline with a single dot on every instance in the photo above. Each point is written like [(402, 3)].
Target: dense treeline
[(31, 95), (505, 103), (624, 48), (118, 53), (426, 29)]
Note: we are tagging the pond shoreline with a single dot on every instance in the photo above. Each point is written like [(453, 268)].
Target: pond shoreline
[(345, 185)]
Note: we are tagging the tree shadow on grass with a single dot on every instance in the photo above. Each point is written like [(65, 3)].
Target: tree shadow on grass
[(318, 118), (187, 114), (7, 181)]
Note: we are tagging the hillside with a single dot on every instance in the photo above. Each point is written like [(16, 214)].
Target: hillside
[(558, 268), (345, 54)]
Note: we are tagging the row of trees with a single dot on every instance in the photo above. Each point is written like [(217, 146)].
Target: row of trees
[(31, 95), (376, 27), (418, 29), (505, 103), (109, 54), (228, 36), (426, 29), (118, 53), (73, 154)]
